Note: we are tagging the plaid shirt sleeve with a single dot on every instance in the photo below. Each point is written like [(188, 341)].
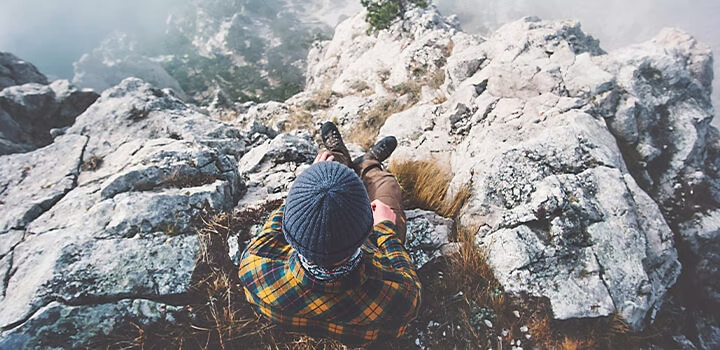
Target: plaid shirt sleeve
[(376, 301)]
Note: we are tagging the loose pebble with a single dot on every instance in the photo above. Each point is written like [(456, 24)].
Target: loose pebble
[(488, 323), (505, 333), (524, 329), (417, 341), (516, 313), (528, 336)]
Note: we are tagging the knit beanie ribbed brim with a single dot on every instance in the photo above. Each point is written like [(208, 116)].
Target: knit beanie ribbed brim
[(327, 213)]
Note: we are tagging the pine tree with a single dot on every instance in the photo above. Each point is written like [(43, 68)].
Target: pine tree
[(382, 13)]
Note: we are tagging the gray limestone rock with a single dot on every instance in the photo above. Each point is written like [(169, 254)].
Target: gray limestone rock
[(33, 182), (28, 112), (135, 110), (14, 71), (271, 167), (104, 217), (427, 236), (560, 212), (58, 326)]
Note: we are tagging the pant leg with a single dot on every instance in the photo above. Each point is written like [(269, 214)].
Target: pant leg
[(340, 157), (383, 186)]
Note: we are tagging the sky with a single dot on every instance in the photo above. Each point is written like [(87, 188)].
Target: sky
[(54, 33)]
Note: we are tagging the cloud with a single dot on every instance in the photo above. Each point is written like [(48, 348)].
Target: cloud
[(615, 22), (53, 33)]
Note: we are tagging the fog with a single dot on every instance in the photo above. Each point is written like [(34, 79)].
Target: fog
[(54, 33), (615, 22)]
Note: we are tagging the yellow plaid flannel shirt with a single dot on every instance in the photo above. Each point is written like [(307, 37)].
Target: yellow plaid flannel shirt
[(376, 301)]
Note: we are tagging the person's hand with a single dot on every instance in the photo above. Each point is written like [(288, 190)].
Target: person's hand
[(324, 157), (381, 212)]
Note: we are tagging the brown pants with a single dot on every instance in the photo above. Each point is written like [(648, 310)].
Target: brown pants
[(380, 185)]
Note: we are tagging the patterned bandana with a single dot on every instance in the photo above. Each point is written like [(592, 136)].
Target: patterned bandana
[(329, 274)]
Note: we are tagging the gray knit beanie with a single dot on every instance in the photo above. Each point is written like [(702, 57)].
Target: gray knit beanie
[(327, 213)]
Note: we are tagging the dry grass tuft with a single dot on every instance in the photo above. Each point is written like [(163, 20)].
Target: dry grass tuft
[(425, 185), (297, 120), (412, 89), (360, 86), (365, 132), (93, 163), (320, 100), (574, 344), (436, 79)]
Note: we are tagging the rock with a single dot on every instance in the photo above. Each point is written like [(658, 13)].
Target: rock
[(135, 110), (28, 112), (702, 241), (389, 57), (548, 181), (427, 236), (14, 71), (663, 111), (33, 182), (86, 323), (103, 218), (271, 168)]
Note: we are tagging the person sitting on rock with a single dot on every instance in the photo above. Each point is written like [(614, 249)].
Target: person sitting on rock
[(330, 262)]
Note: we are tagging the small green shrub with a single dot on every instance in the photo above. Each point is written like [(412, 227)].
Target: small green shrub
[(382, 13)]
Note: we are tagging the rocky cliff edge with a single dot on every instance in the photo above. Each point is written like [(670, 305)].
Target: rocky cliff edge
[(593, 175)]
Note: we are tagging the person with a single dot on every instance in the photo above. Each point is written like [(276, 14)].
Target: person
[(330, 262)]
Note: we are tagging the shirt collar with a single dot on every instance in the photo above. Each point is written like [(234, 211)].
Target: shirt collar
[(354, 279), (326, 274)]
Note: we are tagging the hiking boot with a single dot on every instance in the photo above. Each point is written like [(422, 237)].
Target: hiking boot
[(332, 139), (380, 151)]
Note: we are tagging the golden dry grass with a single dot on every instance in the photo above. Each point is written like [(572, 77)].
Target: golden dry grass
[(436, 79), (320, 99), (425, 185), (298, 119), (365, 132)]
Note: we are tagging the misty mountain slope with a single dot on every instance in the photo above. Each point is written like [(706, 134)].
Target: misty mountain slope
[(240, 50), (592, 180)]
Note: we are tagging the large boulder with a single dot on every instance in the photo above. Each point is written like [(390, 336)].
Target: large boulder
[(14, 71), (104, 218), (29, 112), (561, 215)]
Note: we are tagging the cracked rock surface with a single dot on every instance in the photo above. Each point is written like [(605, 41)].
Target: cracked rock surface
[(593, 175), (536, 125), (103, 218)]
